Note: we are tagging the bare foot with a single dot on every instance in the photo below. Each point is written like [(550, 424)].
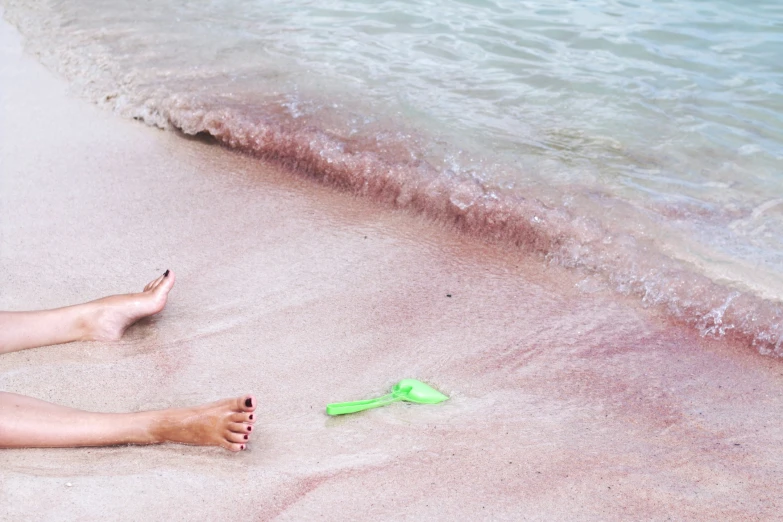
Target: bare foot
[(227, 423), (108, 318)]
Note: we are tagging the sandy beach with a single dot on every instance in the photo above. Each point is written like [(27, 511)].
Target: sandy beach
[(567, 403)]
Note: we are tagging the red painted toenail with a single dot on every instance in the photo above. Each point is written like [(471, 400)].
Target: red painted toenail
[(243, 446), (249, 428), (245, 437), (249, 403), (166, 273), (251, 417)]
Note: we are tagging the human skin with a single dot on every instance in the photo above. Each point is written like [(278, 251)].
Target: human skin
[(26, 422), (101, 320)]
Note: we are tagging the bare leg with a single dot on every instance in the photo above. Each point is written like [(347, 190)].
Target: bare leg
[(31, 423), (102, 320)]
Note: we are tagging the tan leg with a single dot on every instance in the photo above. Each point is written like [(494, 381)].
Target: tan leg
[(31, 423)]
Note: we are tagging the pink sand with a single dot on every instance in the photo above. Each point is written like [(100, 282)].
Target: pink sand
[(566, 404)]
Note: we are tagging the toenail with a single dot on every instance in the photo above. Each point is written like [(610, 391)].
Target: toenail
[(243, 446), (166, 273), (245, 437), (251, 416), (249, 403), (249, 428)]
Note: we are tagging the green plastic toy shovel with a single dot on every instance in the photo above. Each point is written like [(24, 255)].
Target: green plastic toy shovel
[(409, 390)]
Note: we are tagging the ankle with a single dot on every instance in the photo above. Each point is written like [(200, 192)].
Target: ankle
[(160, 426), (87, 320)]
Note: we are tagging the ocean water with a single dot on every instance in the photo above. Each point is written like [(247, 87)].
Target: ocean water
[(637, 142)]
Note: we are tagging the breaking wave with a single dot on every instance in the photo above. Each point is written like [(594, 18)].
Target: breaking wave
[(370, 169)]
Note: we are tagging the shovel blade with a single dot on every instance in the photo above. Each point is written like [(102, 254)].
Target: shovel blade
[(416, 391)]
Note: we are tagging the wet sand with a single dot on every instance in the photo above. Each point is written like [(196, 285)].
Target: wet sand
[(567, 402)]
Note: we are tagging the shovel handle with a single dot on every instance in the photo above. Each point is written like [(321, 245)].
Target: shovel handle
[(341, 408)]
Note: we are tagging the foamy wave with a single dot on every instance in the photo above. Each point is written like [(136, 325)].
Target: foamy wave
[(630, 266)]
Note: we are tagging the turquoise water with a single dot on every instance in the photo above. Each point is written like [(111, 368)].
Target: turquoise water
[(581, 79), (657, 122)]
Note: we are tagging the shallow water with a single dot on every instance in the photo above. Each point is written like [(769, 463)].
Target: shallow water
[(640, 143)]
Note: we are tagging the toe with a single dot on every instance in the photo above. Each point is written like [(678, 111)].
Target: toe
[(233, 446), (166, 282), (240, 427), (237, 437), (247, 403), (154, 283), (248, 418)]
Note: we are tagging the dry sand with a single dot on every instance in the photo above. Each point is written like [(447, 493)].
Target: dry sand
[(567, 403)]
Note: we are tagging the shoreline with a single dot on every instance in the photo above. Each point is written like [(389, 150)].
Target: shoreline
[(634, 250), (565, 404), (631, 247)]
